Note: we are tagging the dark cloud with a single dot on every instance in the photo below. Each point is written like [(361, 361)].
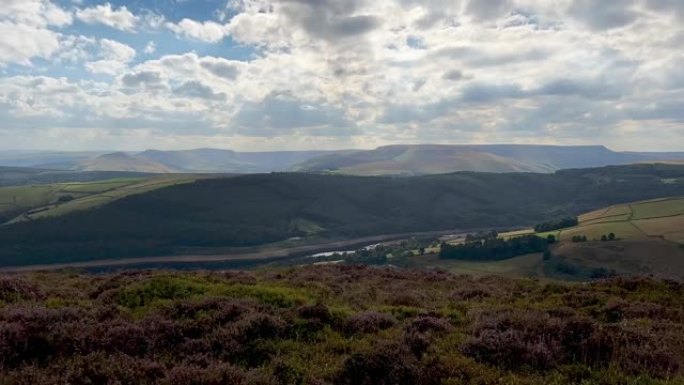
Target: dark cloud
[(413, 113), (331, 20), (283, 114), (659, 110), (667, 6), (221, 69), (151, 80), (453, 75), (477, 57), (489, 9), (482, 93), (195, 89), (603, 14), (590, 89)]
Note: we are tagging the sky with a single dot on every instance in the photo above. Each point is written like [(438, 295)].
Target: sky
[(330, 74)]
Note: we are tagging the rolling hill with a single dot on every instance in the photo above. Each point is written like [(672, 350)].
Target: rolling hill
[(212, 214), (402, 160), (22, 176), (649, 240), (31, 202), (435, 159), (214, 160), (120, 161)]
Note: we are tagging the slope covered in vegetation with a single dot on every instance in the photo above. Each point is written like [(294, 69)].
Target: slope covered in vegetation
[(258, 209), (337, 325)]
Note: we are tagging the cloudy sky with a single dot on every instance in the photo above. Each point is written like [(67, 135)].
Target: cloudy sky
[(315, 74)]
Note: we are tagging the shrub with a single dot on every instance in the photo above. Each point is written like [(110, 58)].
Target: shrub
[(369, 322), (386, 364), (13, 289), (217, 374)]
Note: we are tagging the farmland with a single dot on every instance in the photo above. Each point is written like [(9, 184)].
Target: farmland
[(30, 202), (658, 218)]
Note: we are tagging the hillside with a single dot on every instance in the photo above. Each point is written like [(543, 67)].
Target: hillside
[(387, 160), (121, 161), (30, 202), (342, 325), (649, 239), (435, 159), (22, 176), (214, 160), (258, 209), (53, 160)]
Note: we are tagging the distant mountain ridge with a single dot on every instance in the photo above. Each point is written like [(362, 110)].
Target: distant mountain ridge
[(399, 160), (121, 161), (437, 159)]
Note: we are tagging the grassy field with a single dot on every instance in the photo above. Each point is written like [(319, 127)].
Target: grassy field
[(659, 218), (23, 203), (650, 241)]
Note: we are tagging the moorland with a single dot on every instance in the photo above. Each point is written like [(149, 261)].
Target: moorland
[(340, 325)]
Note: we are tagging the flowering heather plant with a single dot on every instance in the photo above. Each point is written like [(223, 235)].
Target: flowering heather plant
[(330, 325)]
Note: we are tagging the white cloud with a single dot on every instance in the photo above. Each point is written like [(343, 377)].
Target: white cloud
[(208, 31), (26, 30), (114, 57), (120, 18), (36, 13), (20, 43), (150, 48)]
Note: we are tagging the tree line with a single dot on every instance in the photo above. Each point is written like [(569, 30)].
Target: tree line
[(557, 224), (496, 249)]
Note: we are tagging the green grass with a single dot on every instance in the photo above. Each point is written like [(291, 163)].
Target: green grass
[(658, 209), (660, 218), (41, 201)]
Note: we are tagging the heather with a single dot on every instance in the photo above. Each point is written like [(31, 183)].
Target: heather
[(345, 324)]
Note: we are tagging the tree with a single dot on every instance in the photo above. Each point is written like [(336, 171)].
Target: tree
[(604, 238), (611, 236), (551, 238)]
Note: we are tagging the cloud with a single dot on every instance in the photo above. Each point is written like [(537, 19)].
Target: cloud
[(120, 18), (114, 57), (148, 80), (20, 43), (195, 89), (150, 48), (600, 14), (282, 114), (220, 67), (26, 30), (453, 75), (483, 93), (341, 73), (488, 10), (35, 13), (208, 31)]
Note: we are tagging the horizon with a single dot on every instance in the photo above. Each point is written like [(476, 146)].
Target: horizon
[(137, 151), (263, 75)]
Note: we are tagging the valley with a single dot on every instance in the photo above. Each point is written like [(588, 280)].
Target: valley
[(189, 218)]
